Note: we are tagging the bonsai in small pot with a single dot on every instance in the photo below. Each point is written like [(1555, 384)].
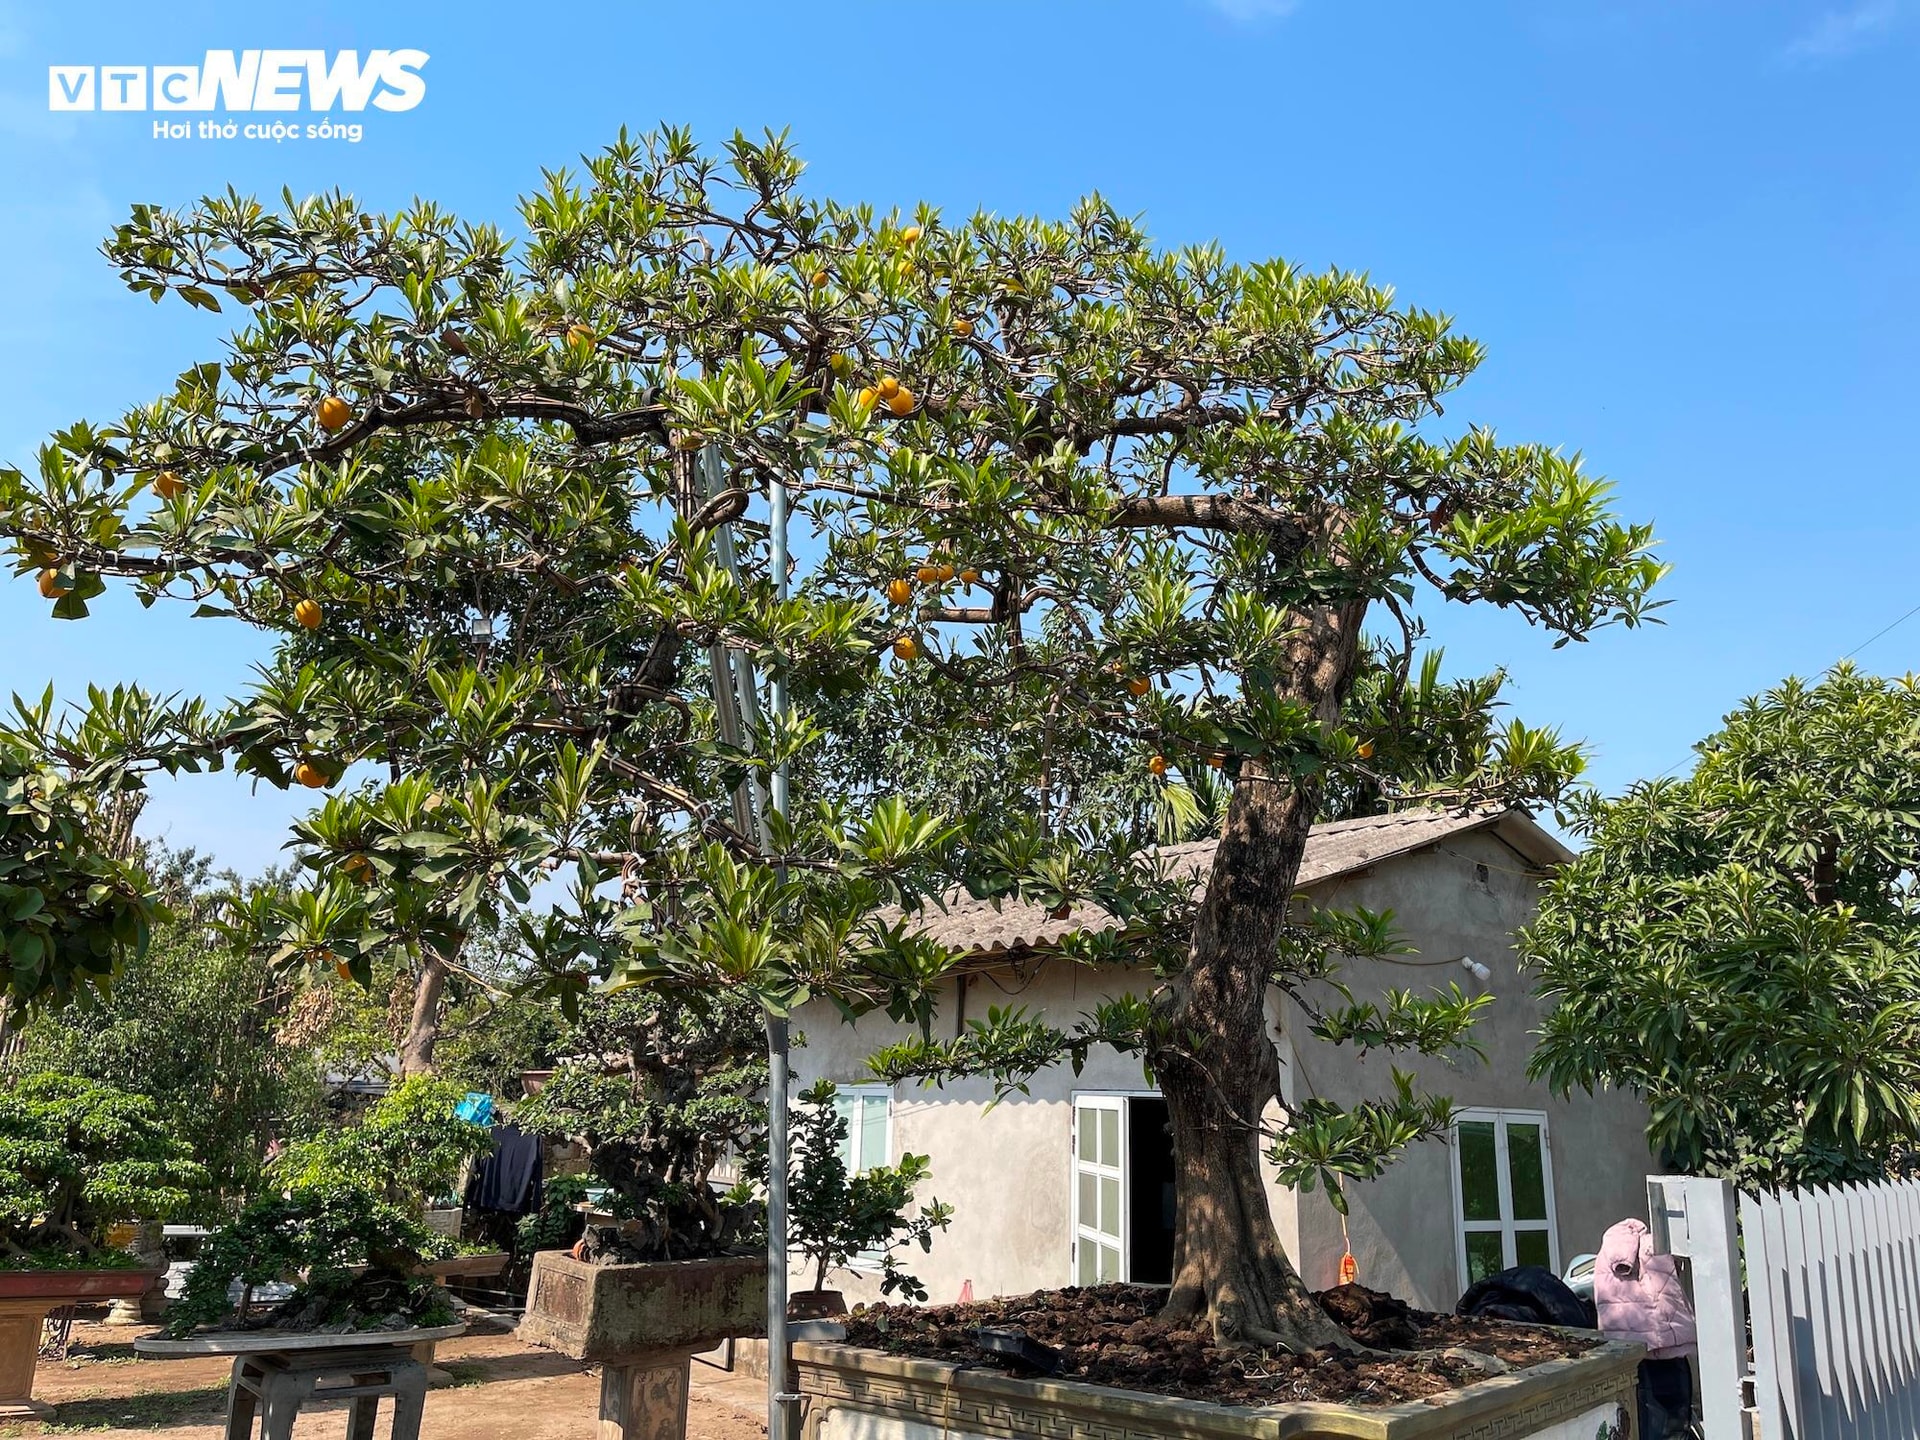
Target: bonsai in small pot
[(838, 1218), (76, 1157), (359, 1261)]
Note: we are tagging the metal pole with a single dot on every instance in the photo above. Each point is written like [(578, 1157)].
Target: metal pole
[(781, 1402)]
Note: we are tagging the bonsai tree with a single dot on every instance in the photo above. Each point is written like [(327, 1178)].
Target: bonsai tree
[(1738, 945), (357, 1259), (662, 1089), (838, 1216), (1084, 490), (76, 1157), (408, 1148)]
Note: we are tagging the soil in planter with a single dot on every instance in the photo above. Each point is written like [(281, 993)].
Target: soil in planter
[(1107, 1335)]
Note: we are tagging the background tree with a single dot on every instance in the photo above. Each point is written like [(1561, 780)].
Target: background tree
[(197, 1026), (1740, 945), (1153, 498)]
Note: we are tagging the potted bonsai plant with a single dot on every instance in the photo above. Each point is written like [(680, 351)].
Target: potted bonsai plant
[(361, 1263), (662, 1090), (839, 1218), (76, 1157)]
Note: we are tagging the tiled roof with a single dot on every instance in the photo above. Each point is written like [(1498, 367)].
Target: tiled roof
[(1336, 848)]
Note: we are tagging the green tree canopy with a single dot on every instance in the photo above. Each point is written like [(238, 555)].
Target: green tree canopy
[(509, 511), (1741, 946)]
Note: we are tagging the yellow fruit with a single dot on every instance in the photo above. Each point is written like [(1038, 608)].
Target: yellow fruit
[(310, 775), (1216, 762), (928, 574), (1158, 764), (868, 395), (946, 572), (840, 364), (1365, 751), (888, 387), (910, 234), (900, 591), (167, 485), (820, 278), (1138, 686), (580, 336), (907, 648), (309, 614), (902, 404), (969, 577), (359, 868), (334, 413), (52, 587), (963, 328)]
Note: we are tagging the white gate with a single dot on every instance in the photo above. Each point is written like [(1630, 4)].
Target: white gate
[(1833, 1283)]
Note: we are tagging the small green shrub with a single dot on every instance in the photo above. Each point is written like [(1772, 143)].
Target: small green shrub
[(76, 1157), (408, 1147), (357, 1257)]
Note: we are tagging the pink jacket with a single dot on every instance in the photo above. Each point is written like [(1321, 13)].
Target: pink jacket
[(1639, 1294)]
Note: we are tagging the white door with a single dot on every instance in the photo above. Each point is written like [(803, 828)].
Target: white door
[(1099, 1189)]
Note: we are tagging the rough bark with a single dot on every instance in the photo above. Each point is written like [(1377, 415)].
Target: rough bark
[(429, 1014), (1215, 1062)]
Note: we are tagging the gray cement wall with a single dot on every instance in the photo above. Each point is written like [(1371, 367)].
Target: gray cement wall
[(1006, 1168)]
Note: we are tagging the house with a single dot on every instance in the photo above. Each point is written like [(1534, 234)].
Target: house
[(1523, 1178)]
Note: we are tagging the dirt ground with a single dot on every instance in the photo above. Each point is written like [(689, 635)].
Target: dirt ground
[(502, 1387)]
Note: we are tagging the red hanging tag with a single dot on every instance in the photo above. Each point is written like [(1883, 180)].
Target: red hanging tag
[(1348, 1270)]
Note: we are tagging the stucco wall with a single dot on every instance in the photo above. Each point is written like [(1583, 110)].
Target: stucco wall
[(1006, 1169)]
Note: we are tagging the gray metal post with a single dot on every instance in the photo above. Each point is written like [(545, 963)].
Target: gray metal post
[(781, 1402)]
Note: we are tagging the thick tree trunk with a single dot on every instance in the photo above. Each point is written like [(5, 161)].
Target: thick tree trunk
[(1214, 1060), (423, 1025)]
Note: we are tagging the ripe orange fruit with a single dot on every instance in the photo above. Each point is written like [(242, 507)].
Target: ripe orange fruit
[(52, 587), (907, 648), (309, 614), (969, 577), (1138, 686), (580, 335), (167, 485), (946, 572), (820, 278), (928, 574), (1158, 764), (888, 387), (310, 775), (902, 403), (900, 591), (963, 328), (334, 413), (910, 234), (1366, 750), (868, 395)]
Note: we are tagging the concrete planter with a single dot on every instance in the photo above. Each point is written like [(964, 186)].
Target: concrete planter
[(643, 1324), (859, 1394), (27, 1297)]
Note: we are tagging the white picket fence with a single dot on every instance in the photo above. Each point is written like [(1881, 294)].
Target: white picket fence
[(1833, 1284)]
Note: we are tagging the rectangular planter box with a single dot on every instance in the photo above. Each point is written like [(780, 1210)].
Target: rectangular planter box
[(609, 1313), (859, 1394)]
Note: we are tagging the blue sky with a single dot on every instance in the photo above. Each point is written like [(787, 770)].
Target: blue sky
[(1684, 230)]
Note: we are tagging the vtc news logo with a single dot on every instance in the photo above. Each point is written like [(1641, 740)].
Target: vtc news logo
[(247, 80)]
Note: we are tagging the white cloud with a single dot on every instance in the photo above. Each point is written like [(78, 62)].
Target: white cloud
[(1252, 12), (1839, 33)]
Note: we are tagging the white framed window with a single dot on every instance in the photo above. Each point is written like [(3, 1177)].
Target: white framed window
[(868, 1111), (1502, 1193)]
